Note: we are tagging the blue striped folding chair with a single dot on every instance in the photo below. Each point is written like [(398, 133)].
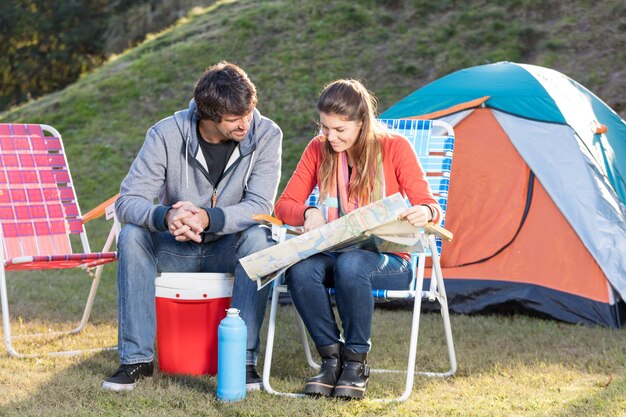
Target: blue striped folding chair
[(433, 142)]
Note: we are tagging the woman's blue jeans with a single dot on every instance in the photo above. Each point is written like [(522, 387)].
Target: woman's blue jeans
[(143, 254), (353, 274)]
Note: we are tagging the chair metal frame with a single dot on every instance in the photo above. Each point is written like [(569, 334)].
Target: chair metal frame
[(435, 154), (32, 152)]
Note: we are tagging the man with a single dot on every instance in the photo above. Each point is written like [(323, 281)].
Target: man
[(211, 167)]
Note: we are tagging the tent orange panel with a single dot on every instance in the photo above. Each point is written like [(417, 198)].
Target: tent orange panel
[(546, 247), (488, 175)]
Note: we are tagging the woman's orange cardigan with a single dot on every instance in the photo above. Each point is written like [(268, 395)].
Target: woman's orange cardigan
[(403, 174)]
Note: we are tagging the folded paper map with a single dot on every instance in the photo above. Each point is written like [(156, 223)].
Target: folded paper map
[(375, 226)]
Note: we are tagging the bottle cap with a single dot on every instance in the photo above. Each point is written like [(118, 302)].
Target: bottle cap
[(232, 312)]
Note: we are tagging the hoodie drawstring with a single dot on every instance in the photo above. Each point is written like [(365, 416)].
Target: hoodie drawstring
[(187, 161), (249, 170)]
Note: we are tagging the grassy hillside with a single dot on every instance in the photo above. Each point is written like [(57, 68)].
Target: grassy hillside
[(292, 48)]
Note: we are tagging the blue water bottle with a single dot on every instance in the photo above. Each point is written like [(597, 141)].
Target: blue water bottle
[(231, 357)]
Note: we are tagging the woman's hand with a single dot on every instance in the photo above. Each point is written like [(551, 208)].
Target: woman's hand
[(313, 218), (418, 216)]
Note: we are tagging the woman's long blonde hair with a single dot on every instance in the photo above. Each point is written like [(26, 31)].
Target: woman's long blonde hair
[(351, 100)]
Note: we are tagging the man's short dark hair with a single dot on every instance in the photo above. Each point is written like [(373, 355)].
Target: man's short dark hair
[(224, 88)]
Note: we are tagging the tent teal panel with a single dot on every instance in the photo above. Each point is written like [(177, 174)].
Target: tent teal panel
[(616, 137), (512, 90)]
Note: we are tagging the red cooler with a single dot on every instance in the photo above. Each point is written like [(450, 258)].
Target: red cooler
[(189, 308)]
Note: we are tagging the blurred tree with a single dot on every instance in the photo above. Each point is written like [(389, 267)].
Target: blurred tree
[(46, 44)]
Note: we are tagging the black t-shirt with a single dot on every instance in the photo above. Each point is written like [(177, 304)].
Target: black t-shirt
[(216, 156)]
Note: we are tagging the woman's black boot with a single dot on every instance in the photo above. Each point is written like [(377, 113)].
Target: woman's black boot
[(324, 382), (354, 376)]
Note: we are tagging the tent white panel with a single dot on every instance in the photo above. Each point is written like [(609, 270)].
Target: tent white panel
[(577, 187)]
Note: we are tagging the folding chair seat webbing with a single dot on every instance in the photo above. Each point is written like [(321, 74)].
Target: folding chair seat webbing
[(38, 208)]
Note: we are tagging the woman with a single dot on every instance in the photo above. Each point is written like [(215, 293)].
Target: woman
[(354, 161)]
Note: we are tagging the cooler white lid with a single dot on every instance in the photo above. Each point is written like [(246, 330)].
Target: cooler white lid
[(194, 286)]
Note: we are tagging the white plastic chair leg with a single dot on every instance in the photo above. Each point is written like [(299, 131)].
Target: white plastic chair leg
[(269, 348), (412, 356), (443, 302), (94, 284), (410, 370), (8, 338), (6, 324)]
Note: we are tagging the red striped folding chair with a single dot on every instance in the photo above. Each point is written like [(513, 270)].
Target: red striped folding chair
[(38, 214)]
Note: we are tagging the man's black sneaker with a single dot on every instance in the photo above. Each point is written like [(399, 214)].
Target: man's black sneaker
[(253, 380), (127, 376)]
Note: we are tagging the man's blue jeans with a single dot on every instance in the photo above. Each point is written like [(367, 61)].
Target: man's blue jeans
[(143, 254), (353, 274)]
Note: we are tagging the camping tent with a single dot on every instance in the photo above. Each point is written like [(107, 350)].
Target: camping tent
[(536, 193)]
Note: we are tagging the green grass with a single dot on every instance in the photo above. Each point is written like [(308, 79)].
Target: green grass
[(512, 366)]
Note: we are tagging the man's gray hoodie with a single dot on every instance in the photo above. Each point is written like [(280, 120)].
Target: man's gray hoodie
[(170, 167)]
